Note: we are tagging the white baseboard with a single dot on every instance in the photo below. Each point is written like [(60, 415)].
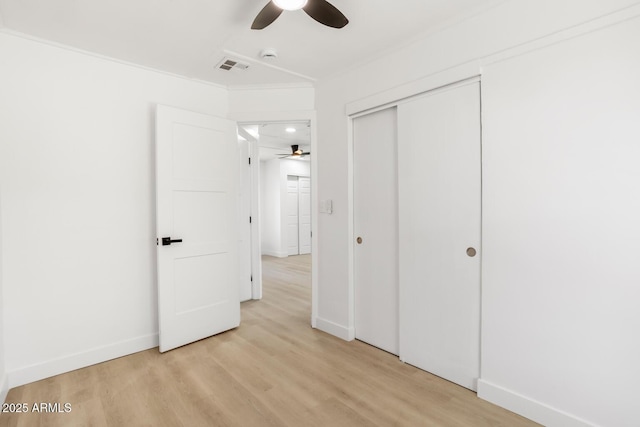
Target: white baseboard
[(72, 362), (529, 408), (276, 254), (4, 388), (347, 334)]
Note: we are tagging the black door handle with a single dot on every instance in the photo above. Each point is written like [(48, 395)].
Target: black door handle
[(167, 241)]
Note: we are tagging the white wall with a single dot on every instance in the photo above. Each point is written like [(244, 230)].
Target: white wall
[(260, 102), (3, 370), (561, 230), (270, 208), (274, 195), (78, 214), (546, 300)]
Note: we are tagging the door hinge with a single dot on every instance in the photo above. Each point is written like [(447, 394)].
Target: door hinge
[(249, 220), (252, 277), (249, 160)]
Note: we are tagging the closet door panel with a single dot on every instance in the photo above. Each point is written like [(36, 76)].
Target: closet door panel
[(375, 190), (439, 228)]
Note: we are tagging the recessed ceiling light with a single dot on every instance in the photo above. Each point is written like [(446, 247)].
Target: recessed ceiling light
[(290, 130), (290, 4)]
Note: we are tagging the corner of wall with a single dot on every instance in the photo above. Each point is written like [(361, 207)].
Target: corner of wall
[(342, 332), (4, 389), (80, 360)]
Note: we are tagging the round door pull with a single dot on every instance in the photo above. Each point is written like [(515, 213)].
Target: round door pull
[(471, 252), (359, 240)]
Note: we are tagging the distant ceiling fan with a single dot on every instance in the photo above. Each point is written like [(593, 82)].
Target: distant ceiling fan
[(320, 10), (295, 152)]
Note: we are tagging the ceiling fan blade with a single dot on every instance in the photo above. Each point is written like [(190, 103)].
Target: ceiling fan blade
[(325, 13), (267, 15)]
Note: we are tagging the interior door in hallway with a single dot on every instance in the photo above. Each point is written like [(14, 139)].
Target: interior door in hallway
[(439, 212), (298, 215), (292, 217), (375, 189), (304, 215)]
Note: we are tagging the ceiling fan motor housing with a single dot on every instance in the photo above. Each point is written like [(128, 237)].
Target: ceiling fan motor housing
[(320, 10)]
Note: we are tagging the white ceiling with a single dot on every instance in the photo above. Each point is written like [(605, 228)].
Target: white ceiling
[(190, 37)]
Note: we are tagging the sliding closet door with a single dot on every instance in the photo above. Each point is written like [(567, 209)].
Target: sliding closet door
[(439, 228), (375, 192)]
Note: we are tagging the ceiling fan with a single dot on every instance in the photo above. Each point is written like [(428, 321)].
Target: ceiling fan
[(295, 152), (320, 10)]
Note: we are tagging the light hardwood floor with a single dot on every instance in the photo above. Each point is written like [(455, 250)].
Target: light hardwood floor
[(274, 370)]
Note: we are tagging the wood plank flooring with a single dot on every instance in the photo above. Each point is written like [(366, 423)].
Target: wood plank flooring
[(274, 370)]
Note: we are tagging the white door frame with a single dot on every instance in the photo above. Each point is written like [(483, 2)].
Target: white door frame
[(256, 262), (362, 108), (278, 116), (253, 171)]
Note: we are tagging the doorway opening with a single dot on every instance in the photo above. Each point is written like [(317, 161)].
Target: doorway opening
[(277, 197)]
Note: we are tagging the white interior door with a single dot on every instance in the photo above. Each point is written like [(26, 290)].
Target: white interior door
[(292, 217), (375, 189), (304, 215), (439, 212), (244, 223), (196, 174)]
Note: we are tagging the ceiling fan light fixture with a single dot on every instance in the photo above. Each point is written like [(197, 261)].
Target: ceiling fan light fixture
[(290, 4)]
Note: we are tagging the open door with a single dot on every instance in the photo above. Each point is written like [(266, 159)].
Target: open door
[(196, 196)]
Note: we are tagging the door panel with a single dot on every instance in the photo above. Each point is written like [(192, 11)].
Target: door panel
[(199, 280), (292, 216), (376, 222), (439, 211), (304, 215), (196, 194)]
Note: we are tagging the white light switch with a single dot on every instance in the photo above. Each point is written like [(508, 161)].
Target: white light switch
[(326, 206)]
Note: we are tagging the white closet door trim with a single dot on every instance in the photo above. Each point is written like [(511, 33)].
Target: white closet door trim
[(392, 96), (414, 96)]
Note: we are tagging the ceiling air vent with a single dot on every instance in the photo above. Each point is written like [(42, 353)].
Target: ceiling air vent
[(228, 64)]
